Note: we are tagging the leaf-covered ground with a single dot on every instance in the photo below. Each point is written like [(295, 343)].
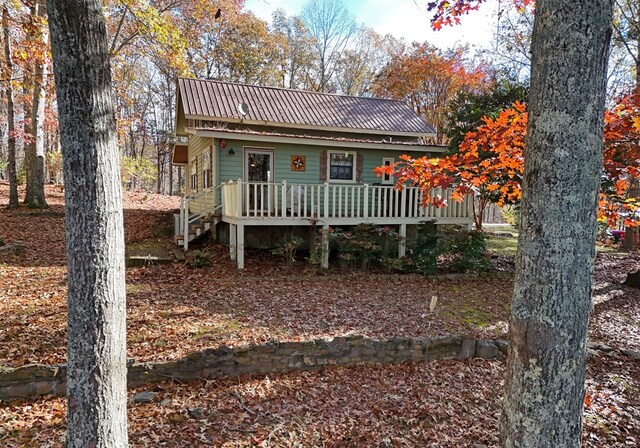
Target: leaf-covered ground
[(173, 310), (440, 404)]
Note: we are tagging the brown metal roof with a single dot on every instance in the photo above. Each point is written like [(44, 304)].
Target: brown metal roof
[(219, 100)]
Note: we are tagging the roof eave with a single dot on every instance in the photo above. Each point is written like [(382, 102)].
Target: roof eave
[(313, 141)]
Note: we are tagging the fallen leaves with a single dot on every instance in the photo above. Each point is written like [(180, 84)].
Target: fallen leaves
[(174, 310)]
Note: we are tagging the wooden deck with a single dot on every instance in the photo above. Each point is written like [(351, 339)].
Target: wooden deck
[(244, 204)]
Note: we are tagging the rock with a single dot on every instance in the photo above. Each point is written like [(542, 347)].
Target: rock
[(502, 345), (144, 397), (196, 413), (486, 349), (479, 445), (165, 402), (599, 346), (631, 353), (467, 349)]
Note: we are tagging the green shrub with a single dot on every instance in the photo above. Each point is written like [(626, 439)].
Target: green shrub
[(467, 249), (198, 259), (426, 248), (436, 247), (362, 245), (288, 249)]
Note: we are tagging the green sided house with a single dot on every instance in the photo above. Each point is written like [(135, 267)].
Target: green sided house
[(261, 161)]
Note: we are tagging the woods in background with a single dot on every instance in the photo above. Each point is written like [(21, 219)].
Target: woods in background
[(151, 43)]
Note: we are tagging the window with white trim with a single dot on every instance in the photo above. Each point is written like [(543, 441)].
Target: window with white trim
[(387, 179), (341, 166), (194, 174), (206, 168)]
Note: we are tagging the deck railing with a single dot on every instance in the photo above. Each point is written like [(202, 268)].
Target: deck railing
[(210, 197), (267, 200)]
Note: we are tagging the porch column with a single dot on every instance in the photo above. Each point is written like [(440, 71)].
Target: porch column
[(233, 241), (402, 244), (325, 247), (240, 244)]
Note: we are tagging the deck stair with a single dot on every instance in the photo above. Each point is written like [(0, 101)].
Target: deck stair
[(189, 227), (197, 229)]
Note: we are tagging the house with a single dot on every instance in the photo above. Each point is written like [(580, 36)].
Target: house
[(261, 161)]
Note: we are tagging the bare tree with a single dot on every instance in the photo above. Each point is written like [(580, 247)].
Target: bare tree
[(544, 394), (96, 384), (332, 27), (34, 148), (367, 55), (295, 48), (11, 138)]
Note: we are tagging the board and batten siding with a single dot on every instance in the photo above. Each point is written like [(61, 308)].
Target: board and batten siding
[(197, 147)]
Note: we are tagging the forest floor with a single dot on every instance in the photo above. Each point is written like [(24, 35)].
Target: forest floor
[(174, 310)]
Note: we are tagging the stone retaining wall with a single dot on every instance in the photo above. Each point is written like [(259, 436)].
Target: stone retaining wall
[(34, 380)]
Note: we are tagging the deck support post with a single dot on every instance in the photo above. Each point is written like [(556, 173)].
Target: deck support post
[(325, 247), (185, 223), (233, 241), (240, 244), (402, 244)]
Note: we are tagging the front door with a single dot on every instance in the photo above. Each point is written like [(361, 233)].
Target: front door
[(258, 173)]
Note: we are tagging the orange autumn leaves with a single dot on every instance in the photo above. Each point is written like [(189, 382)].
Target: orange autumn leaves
[(621, 172), (490, 163)]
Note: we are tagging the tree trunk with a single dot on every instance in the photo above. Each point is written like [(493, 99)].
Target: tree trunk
[(34, 149), (95, 239), (563, 159), (11, 129)]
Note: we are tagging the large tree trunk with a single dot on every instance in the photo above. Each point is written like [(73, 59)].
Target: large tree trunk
[(563, 160), (11, 129), (34, 149), (95, 238)]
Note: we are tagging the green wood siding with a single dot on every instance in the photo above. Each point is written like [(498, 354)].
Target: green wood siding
[(197, 146), (231, 166)]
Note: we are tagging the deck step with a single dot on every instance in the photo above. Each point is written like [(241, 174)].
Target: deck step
[(180, 238)]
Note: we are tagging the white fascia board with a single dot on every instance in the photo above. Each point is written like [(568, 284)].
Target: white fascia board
[(314, 141)]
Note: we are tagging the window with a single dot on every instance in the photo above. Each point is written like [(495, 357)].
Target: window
[(194, 174), (206, 168), (387, 179), (341, 166)]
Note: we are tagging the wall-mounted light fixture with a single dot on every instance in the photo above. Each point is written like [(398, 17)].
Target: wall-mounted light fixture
[(231, 151)]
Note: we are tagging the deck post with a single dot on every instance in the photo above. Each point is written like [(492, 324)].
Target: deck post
[(326, 200), (185, 223), (365, 209), (402, 244), (325, 247), (233, 241), (240, 250), (284, 199), (239, 210)]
